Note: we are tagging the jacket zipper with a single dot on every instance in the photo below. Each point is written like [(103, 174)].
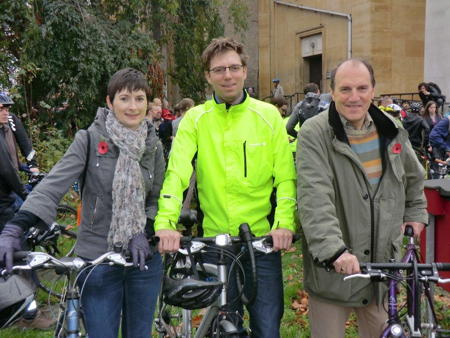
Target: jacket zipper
[(245, 158), (95, 211)]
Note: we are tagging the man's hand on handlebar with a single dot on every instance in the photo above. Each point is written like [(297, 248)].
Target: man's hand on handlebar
[(417, 227), (282, 239), (169, 240), (346, 264)]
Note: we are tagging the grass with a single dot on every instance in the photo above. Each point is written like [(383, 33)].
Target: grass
[(295, 320)]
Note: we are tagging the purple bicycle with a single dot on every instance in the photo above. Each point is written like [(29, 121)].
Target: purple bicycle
[(420, 319)]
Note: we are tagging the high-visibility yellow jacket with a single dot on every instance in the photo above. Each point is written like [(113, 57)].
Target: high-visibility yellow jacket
[(242, 154)]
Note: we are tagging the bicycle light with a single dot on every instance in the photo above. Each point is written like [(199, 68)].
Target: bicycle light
[(223, 240), (396, 330)]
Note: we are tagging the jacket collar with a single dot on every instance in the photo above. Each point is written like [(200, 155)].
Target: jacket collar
[(386, 128), (222, 106)]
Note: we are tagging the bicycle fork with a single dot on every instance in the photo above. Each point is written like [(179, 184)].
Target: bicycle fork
[(394, 328)]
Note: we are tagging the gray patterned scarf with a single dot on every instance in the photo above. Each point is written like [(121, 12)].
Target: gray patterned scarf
[(128, 193)]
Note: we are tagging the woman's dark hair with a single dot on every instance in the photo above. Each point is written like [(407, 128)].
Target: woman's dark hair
[(426, 113), (130, 79)]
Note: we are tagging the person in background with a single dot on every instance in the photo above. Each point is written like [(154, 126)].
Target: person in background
[(277, 88), (242, 154), (13, 137), (252, 92), (431, 115), (282, 107), (358, 184), (417, 129), (154, 115), (308, 107), (440, 140), (181, 108), (119, 160)]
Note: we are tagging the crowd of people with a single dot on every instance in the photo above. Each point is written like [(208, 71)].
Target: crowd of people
[(427, 128), (348, 171)]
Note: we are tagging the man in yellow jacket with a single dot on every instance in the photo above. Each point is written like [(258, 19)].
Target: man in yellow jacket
[(242, 155)]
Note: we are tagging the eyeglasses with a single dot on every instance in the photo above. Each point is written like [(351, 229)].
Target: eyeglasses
[(4, 107), (222, 69)]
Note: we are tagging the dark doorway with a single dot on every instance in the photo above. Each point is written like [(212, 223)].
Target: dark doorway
[(313, 67)]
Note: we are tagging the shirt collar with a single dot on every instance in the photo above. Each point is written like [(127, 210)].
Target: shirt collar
[(368, 122)]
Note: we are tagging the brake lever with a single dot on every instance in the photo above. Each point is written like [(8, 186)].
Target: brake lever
[(357, 275), (262, 246)]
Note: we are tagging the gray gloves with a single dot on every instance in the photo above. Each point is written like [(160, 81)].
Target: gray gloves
[(10, 241), (140, 250)]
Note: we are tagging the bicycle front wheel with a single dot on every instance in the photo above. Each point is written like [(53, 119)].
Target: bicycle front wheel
[(61, 244)]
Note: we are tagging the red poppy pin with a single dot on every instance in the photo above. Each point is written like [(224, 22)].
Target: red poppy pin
[(102, 147), (397, 148)]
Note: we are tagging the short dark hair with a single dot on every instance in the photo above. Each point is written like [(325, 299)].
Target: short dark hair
[(311, 88), (423, 84), (221, 45), (130, 79), (278, 101), (353, 60)]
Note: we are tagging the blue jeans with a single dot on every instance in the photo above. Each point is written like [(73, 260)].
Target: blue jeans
[(112, 290), (267, 309)]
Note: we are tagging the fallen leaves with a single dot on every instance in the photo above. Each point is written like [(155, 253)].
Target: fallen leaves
[(300, 303)]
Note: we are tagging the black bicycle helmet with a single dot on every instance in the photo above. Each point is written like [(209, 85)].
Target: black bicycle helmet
[(415, 107), (5, 99), (190, 293), (183, 289)]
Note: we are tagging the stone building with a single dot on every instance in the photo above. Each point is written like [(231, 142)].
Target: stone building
[(301, 41)]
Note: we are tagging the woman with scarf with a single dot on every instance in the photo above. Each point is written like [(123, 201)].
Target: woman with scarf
[(119, 161)]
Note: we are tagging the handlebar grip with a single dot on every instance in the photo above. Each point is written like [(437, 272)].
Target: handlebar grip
[(409, 231), (20, 255), (443, 266)]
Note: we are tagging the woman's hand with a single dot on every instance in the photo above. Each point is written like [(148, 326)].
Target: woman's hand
[(140, 250)]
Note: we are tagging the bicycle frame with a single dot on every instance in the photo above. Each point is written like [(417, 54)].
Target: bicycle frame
[(413, 305)]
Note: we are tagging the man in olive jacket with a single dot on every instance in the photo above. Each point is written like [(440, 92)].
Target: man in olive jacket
[(359, 183)]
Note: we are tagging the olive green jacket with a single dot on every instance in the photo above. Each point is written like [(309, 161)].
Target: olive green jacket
[(242, 155), (338, 211)]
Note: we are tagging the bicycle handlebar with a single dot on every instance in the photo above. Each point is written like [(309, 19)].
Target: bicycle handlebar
[(262, 244), (404, 266), (427, 272), (42, 260)]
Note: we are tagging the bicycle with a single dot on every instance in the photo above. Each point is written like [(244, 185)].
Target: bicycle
[(71, 321), (191, 284), (418, 292)]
